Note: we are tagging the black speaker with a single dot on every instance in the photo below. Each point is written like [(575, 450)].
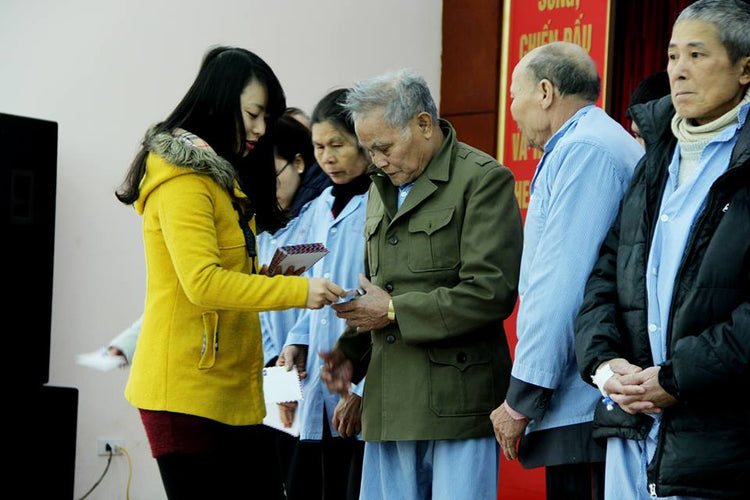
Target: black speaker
[(28, 180), (42, 440)]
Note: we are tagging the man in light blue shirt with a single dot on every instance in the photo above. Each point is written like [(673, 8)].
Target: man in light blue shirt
[(587, 162)]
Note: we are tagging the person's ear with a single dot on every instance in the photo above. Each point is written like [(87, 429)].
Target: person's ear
[(546, 93), (299, 163), (744, 70), (424, 122)]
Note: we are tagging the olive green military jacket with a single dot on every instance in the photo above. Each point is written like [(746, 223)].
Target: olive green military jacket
[(450, 258)]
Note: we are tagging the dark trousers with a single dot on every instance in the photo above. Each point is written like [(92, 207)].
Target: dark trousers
[(240, 468), (330, 469), (575, 482), (286, 448)]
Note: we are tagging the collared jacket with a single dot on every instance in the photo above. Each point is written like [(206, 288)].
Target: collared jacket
[(199, 351), (450, 258), (704, 440), (320, 328)]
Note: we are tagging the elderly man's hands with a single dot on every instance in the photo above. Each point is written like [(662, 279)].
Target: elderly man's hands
[(368, 311), (636, 390), (346, 417), (652, 398), (507, 430)]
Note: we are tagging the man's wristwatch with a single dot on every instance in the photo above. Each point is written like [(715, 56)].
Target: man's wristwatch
[(391, 311)]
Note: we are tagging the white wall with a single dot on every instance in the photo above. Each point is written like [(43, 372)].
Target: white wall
[(105, 70)]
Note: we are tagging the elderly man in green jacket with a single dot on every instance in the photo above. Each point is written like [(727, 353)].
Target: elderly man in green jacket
[(443, 251)]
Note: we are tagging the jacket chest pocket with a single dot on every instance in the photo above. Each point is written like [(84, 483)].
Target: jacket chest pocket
[(372, 223), (433, 240), (461, 381)]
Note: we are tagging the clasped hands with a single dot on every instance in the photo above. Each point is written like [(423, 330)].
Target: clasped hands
[(636, 390)]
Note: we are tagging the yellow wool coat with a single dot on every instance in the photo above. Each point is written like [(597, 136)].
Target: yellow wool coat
[(199, 350)]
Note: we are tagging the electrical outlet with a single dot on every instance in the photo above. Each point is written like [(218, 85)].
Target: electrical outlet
[(115, 444)]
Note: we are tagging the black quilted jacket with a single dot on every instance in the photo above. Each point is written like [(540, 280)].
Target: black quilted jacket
[(704, 440)]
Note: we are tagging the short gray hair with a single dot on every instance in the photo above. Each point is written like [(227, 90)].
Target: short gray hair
[(401, 94), (570, 69), (732, 20)]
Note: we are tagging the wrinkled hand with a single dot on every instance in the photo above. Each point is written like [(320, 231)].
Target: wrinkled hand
[(347, 417), (337, 371), (322, 292), (286, 412), (294, 355), (507, 430), (368, 311), (622, 366), (652, 399)]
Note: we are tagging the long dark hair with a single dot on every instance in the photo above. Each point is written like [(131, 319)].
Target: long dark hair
[(211, 110)]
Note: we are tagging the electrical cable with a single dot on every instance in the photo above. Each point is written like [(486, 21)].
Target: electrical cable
[(109, 461), (130, 473)]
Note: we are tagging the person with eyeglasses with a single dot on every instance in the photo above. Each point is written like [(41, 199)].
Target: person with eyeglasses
[(327, 461), (203, 181), (299, 179)]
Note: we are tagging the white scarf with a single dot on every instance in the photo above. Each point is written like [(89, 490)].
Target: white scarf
[(685, 132), (694, 138)]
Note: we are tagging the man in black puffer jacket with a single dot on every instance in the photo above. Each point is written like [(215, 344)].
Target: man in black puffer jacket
[(664, 329)]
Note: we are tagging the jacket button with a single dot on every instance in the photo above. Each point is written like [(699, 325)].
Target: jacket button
[(393, 240), (388, 287), (461, 357), (390, 339)]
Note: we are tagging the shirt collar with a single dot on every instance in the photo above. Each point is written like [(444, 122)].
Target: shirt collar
[(552, 142)]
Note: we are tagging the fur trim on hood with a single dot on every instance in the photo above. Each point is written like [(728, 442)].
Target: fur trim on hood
[(180, 151)]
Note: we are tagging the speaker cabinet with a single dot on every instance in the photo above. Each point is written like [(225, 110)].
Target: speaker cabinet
[(42, 420), (28, 179)]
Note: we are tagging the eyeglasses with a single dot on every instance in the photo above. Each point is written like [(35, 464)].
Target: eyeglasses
[(278, 173)]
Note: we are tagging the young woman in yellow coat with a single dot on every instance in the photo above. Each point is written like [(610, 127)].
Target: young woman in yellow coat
[(202, 180)]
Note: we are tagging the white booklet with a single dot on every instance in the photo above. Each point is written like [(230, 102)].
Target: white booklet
[(281, 386)]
